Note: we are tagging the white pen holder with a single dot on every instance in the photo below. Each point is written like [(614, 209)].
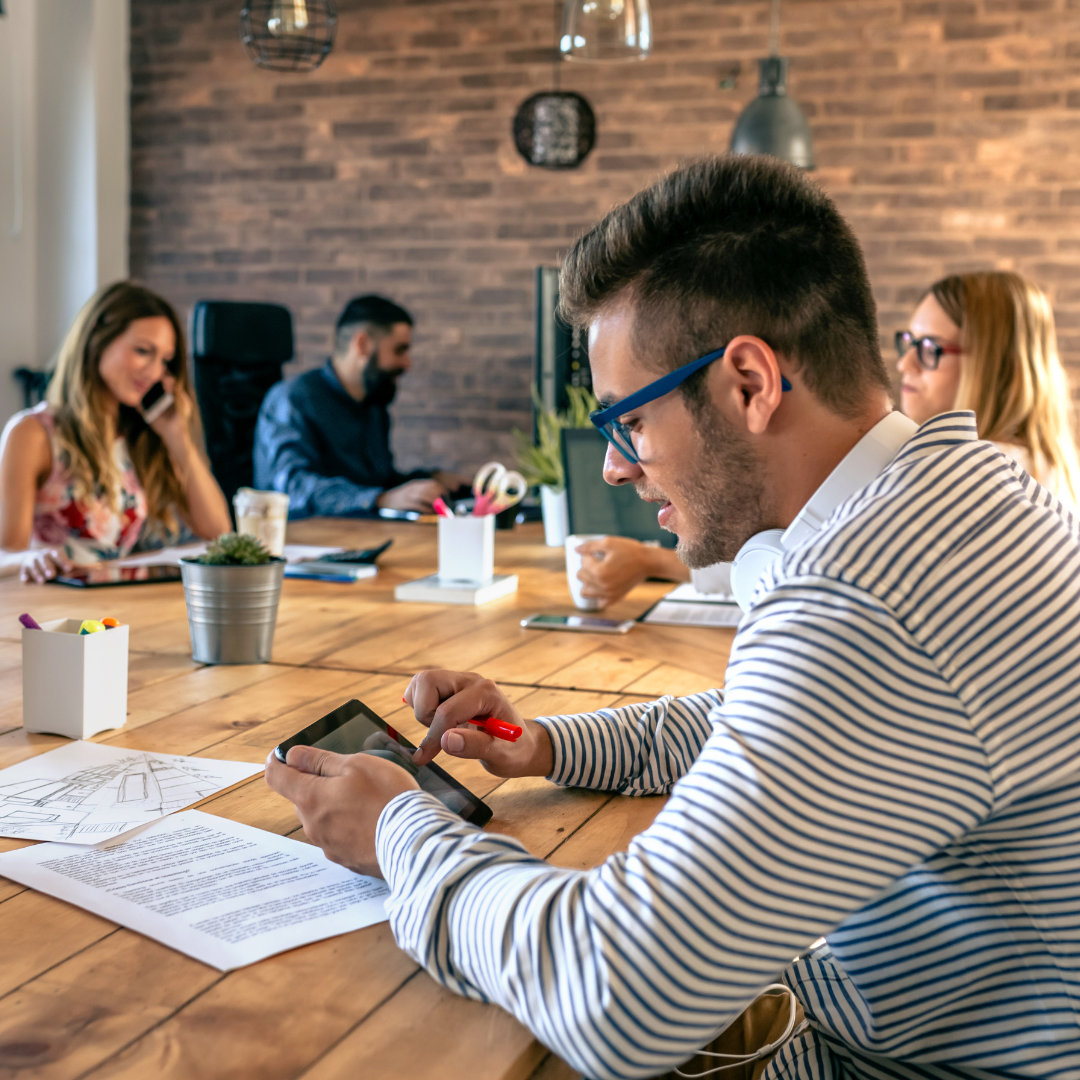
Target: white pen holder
[(74, 684), (467, 549)]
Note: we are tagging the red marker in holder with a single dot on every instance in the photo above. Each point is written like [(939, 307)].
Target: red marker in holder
[(499, 729)]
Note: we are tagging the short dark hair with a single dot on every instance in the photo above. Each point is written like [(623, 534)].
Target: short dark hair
[(734, 245), (370, 310)]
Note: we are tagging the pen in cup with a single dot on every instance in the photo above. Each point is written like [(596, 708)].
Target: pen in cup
[(440, 507), (29, 621)]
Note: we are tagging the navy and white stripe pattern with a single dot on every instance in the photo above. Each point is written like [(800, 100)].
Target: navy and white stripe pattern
[(894, 767)]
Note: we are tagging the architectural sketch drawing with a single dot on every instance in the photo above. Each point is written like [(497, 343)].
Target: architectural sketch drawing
[(46, 798)]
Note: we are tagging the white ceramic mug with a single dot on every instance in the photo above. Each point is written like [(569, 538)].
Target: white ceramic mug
[(262, 514), (573, 565)]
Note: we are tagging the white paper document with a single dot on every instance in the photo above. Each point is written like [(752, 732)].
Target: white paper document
[(225, 893), (687, 613), (685, 606), (687, 592), (87, 792)]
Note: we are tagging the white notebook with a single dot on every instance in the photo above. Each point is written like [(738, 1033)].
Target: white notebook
[(433, 590)]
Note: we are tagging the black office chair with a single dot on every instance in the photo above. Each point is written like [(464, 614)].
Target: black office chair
[(237, 351), (33, 383)]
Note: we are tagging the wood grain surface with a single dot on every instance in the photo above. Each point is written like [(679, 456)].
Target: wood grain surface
[(83, 997)]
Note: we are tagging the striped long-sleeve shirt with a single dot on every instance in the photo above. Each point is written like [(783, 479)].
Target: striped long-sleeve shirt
[(893, 765)]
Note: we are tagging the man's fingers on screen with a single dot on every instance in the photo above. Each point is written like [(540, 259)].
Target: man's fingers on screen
[(441, 700), (480, 698), (427, 750)]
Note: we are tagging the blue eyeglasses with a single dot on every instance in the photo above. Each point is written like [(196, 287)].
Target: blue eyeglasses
[(618, 434)]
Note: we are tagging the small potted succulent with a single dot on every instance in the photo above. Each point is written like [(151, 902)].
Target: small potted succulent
[(540, 462), (232, 592)]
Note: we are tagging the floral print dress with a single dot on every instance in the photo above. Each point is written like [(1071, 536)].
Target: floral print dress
[(88, 529)]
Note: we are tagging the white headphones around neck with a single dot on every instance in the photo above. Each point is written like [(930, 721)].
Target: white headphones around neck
[(862, 464)]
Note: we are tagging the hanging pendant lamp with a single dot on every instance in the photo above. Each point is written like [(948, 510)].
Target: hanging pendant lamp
[(288, 35), (554, 129), (606, 30), (772, 123)]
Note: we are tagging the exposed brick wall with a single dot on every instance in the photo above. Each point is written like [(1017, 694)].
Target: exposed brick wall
[(946, 129)]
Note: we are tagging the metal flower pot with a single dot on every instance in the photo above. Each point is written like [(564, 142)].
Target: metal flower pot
[(232, 610)]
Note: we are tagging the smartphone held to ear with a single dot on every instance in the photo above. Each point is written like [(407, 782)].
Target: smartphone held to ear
[(155, 401)]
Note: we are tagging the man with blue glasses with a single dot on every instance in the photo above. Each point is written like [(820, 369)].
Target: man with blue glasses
[(887, 786)]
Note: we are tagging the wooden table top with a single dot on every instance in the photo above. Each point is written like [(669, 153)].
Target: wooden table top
[(83, 997)]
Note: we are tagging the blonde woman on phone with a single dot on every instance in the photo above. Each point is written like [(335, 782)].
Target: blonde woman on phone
[(83, 476)]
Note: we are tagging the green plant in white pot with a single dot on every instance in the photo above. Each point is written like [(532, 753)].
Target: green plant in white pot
[(540, 462), (232, 592)]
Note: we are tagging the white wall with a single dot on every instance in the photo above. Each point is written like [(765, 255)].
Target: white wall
[(64, 78)]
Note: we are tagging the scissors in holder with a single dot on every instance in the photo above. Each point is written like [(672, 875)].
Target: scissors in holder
[(496, 488)]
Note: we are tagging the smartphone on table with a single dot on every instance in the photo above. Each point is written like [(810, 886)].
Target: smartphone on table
[(155, 401), (365, 556), (591, 624), (353, 728)]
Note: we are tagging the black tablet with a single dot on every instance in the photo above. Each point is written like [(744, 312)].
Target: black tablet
[(94, 576), (353, 728)]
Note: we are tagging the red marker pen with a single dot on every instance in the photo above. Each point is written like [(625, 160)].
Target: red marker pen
[(499, 729)]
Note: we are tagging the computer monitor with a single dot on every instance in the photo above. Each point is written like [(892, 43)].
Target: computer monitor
[(594, 506), (562, 357)]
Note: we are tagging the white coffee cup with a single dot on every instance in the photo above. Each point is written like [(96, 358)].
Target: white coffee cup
[(573, 565), (262, 514)]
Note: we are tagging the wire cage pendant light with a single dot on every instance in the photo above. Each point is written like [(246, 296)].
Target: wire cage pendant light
[(606, 30), (773, 123), (555, 129), (288, 35)]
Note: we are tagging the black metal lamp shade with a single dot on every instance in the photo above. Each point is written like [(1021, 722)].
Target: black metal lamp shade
[(772, 123), (288, 35), (554, 129)]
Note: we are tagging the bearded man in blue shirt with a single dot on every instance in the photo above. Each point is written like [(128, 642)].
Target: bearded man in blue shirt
[(323, 437)]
